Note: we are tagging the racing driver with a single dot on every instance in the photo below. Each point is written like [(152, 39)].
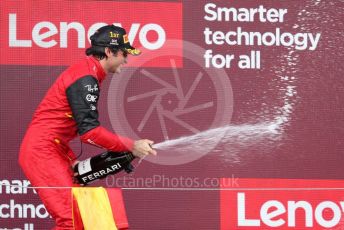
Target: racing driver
[(69, 109)]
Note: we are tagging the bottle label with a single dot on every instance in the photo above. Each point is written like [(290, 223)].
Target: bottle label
[(84, 166)]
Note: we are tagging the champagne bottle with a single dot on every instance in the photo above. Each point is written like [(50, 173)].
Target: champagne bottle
[(102, 165)]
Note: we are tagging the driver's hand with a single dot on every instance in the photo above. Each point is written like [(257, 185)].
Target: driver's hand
[(143, 148)]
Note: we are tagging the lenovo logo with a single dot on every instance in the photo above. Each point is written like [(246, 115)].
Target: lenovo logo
[(271, 211), (282, 204), (43, 34), (60, 35)]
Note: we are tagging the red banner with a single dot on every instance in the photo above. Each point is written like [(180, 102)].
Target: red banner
[(282, 204), (39, 34)]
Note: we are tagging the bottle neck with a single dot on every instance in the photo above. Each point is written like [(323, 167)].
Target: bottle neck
[(130, 156)]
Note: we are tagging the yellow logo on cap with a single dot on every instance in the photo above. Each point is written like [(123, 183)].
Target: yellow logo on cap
[(134, 52), (125, 38), (113, 35)]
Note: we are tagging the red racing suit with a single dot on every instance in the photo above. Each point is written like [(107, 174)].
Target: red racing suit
[(69, 108)]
